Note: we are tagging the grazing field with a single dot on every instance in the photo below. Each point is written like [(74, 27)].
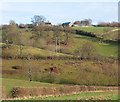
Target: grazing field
[(105, 49), (58, 56), (55, 71), (10, 83), (107, 95), (114, 35), (95, 30), (13, 51), (106, 33)]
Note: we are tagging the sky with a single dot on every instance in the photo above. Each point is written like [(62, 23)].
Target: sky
[(58, 12)]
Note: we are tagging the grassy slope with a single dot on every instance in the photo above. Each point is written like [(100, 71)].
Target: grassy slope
[(105, 49), (10, 83), (80, 72), (96, 30), (15, 49), (111, 35), (84, 95)]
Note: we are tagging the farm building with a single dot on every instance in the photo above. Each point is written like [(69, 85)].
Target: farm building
[(67, 24), (48, 23)]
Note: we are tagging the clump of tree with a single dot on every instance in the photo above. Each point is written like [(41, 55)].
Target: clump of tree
[(86, 22), (12, 34), (12, 22), (21, 26), (38, 20), (87, 50), (38, 37), (108, 24)]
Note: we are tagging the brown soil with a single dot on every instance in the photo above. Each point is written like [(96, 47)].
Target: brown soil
[(53, 69), (9, 72)]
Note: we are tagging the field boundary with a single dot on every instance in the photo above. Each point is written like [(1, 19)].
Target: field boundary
[(33, 92)]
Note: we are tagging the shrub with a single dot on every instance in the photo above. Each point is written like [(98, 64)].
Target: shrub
[(15, 92), (46, 77), (66, 51)]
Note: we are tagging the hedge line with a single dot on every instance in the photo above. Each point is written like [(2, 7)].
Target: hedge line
[(61, 57), (22, 92)]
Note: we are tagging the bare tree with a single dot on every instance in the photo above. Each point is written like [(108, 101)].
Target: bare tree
[(56, 44), (90, 21), (66, 36), (59, 44), (87, 50), (56, 36), (86, 22), (20, 47), (12, 22), (29, 67), (38, 20)]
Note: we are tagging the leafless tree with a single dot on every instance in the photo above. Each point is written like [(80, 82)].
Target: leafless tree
[(38, 20), (29, 67), (12, 22)]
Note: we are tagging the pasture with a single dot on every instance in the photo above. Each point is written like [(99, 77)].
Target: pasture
[(100, 95), (10, 83), (77, 71), (106, 33), (105, 49), (95, 30), (74, 65)]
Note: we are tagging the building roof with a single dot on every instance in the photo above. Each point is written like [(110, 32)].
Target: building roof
[(66, 23), (47, 23)]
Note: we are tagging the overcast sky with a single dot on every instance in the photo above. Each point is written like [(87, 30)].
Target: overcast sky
[(59, 12)]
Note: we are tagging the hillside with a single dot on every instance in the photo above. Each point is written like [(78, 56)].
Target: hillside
[(96, 30), (106, 33), (31, 55), (10, 83), (99, 95), (14, 52)]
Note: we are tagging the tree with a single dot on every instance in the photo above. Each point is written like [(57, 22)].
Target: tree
[(87, 50), (90, 21), (29, 67), (12, 22), (13, 36), (86, 22), (21, 26), (39, 40), (56, 37), (38, 20), (77, 23), (67, 35)]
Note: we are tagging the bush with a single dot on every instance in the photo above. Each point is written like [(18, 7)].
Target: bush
[(46, 77), (14, 93), (66, 51)]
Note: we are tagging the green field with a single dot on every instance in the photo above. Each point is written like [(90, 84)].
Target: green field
[(105, 49), (108, 95), (14, 50), (112, 36), (48, 68), (95, 30), (78, 72), (10, 83)]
